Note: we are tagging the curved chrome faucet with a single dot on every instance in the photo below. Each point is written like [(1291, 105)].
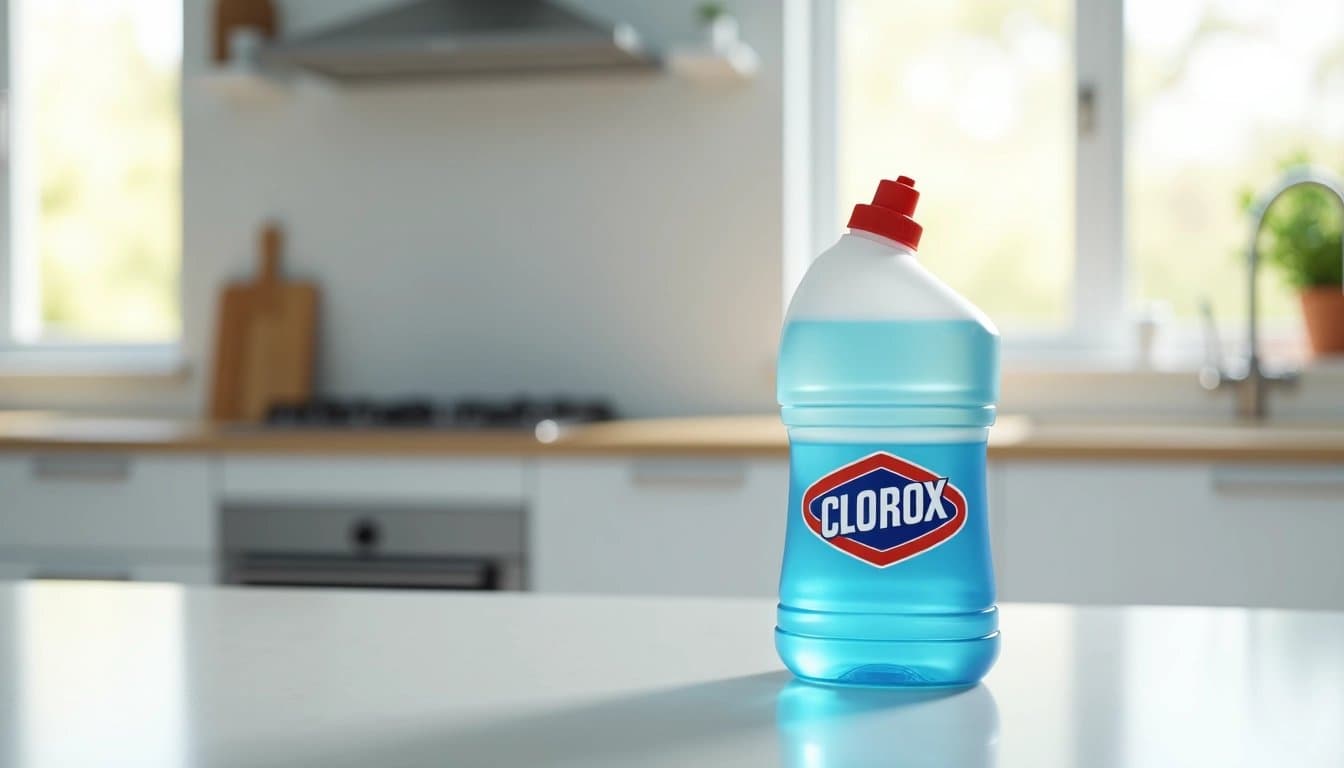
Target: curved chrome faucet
[(1252, 384)]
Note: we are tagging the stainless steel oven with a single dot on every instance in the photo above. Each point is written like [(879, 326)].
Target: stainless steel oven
[(367, 545)]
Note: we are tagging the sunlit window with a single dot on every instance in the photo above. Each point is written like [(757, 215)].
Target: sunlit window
[(1201, 102), (95, 244), (1222, 93), (973, 100)]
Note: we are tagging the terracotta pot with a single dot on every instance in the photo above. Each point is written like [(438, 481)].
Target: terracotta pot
[(237, 14), (1323, 311)]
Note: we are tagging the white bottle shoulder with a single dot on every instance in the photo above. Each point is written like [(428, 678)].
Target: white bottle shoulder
[(867, 277)]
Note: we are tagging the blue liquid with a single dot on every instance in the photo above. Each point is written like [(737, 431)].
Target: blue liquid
[(907, 363), (928, 620)]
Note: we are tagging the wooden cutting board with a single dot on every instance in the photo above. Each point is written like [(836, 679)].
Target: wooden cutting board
[(265, 338)]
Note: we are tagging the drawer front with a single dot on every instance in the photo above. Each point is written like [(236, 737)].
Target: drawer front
[(371, 480), (659, 526), (59, 502)]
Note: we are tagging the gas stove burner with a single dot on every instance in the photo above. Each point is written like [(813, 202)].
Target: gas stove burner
[(467, 413)]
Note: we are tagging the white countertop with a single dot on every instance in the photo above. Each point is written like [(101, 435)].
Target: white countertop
[(149, 675)]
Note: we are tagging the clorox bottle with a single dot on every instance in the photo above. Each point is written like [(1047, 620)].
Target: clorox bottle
[(887, 383)]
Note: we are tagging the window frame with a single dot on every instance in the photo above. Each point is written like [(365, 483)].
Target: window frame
[(1099, 331), (6, 173), (25, 356)]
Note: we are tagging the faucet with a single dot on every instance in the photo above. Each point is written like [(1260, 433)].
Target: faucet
[(1251, 383)]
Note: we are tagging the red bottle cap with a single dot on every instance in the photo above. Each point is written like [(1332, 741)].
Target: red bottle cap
[(889, 213)]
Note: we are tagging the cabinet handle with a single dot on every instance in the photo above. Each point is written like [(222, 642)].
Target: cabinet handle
[(1259, 481), (59, 575), (688, 473), (84, 469), (4, 129)]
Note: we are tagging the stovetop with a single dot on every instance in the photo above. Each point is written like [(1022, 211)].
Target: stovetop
[(425, 413)]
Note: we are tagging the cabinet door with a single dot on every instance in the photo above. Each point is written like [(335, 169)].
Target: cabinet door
[(1083, 532), (659, 526), (1284, 526), (1183, 534), (105, 502)]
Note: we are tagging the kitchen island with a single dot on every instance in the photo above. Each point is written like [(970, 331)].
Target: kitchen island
[(162, 675)]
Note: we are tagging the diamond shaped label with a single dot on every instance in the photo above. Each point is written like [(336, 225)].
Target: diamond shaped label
[(883, 509)]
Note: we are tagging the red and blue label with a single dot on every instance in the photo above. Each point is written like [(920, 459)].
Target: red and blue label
[(883, 509)]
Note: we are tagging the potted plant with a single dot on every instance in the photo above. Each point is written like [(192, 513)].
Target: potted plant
[(720, 25), (1302, 238)]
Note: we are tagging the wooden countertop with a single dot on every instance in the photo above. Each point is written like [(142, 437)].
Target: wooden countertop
[(1014, 437)]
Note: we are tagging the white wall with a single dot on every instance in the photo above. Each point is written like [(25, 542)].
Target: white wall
[(601, 234), (597, 234)]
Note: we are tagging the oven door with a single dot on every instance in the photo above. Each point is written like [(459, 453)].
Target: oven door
[(405, 547)]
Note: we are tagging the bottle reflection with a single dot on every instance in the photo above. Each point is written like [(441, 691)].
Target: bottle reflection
[(822, 727)]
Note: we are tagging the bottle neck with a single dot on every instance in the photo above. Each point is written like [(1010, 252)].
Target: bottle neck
[(886, 242)]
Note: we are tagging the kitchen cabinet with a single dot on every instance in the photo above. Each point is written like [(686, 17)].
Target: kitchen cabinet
[(659, 525), (670, 526), (1089, 532), (1285, 525), (106, 515), (1186, 534)]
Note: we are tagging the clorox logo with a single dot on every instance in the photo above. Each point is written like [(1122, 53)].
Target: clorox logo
[(883, 509)]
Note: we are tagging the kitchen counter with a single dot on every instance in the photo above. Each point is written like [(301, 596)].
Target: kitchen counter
[(1014, 437), (159, 675)]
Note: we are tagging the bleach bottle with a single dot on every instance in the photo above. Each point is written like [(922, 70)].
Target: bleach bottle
[(887, 384)]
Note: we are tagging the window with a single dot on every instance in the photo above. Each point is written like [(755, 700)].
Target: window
[(92, 253), (1221, 93), (1085, 161), (973, 101)]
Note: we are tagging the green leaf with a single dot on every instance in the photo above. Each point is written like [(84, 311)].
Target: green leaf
[(1303, 234)]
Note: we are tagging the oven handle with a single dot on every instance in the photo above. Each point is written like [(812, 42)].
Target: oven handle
[(300, 571)]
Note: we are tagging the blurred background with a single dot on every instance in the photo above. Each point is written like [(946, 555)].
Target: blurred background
[(284, 282)]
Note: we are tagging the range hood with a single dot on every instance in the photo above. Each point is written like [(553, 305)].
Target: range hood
[(437, 38)]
